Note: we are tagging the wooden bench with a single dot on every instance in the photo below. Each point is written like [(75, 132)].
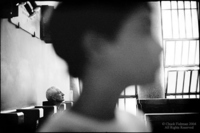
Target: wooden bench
[(174, 122), (153, 105), (31, 118), (48, 112), (166, 115), (11, 122), (64, 106), (168, 105), (184, 105), (47, 103)]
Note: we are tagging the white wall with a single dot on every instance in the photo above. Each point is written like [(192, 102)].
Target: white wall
[(28, 68)]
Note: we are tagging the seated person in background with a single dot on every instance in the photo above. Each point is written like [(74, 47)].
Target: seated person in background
[(55, 96), (108, 46)]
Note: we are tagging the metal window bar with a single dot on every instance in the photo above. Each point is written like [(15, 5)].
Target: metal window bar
[(166, 85), (190, 82), (197, 82), (183, 83), (181, 39), (189, 67), (176, 85), (188, 93)]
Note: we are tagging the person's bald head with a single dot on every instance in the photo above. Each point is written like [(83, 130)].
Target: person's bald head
[(53, 94)]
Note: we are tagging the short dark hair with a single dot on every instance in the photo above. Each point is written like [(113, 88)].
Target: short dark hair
[(71, 20)]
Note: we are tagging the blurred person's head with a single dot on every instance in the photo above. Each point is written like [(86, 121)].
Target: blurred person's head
[(111, 36), (54, 95), (109, 46)]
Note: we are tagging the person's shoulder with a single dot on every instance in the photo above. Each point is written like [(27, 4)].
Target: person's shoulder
[(133, 122), (70, 121), (67, 121), (56, 123)]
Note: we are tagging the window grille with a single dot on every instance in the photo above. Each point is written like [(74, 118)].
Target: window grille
[(180, 35), (180, 38), (128, 98)]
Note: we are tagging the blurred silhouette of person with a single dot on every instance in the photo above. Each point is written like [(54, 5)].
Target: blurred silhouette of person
[(55, 97), (108, 46)]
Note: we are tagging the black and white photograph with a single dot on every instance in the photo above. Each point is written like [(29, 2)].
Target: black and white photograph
[(99, 66)]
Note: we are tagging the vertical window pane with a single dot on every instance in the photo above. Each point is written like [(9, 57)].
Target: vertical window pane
[(171, 82), (188, 23), (167, 26), (121, 104), (175, 24), (180, 81), (185, 53), (178, 53), (131, 105), (130, 90), (180, 5), (187, 4), (174, 4), (192, 51), (181, 23), (193, 4), (194, 81), (187, 81), (170, 48), (197, 53), (165, 4), (195, 24)]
